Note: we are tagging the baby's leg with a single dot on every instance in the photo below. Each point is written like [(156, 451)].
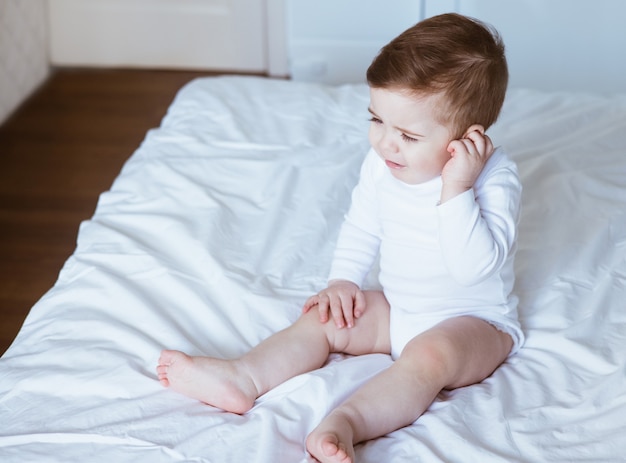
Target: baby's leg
[(457, 352), (234, 385)]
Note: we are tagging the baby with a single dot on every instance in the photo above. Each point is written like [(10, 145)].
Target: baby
[(440, 206)]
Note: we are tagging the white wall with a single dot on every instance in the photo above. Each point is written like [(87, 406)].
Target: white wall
[(23, 51), (571, 45), (577, 45), (334, 41)]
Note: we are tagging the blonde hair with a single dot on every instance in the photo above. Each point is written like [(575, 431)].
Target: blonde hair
[(459, 58)]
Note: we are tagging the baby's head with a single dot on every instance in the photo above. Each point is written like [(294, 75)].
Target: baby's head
[(457, 58)]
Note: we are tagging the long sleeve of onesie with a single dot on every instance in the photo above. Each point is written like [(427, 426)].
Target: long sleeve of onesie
[(477, 229)]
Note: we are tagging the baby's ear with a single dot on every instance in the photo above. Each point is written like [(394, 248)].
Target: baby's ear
[(474, 128)]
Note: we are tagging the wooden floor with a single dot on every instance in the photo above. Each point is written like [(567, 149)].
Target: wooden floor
[(58, 152)]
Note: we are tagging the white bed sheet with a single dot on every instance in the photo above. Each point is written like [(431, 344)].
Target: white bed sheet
[(223, 222)]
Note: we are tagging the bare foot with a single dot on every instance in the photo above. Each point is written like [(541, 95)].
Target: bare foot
[(331, 441), (217, 382)]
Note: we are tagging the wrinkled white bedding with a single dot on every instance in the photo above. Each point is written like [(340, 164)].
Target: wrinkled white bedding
[(222, 223)]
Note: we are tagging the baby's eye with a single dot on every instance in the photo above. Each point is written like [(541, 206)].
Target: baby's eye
[(408, 139), (375, 120)]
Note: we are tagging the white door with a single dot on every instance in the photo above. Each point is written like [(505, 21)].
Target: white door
[(227, 35)]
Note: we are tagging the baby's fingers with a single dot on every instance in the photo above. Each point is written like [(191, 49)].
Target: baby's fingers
[(323, 306), (337, 310), (310, 303), (482, 143), (359, 304), (458, 147), (347, 308)]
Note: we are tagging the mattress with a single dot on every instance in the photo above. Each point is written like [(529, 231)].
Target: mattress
[(223, 222)]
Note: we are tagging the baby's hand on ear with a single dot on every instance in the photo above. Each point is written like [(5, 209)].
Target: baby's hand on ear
[(468, 158)]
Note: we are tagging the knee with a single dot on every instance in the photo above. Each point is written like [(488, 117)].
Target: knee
[(458, 352), (434, 357), (310, 322)]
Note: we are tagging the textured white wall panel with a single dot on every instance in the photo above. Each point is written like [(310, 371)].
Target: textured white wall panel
[(570, 45), (23, 51)]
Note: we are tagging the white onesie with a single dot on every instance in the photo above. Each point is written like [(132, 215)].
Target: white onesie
[(436, 261)]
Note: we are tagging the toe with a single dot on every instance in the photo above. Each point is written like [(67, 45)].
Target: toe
[(164, 382), (167, 357)]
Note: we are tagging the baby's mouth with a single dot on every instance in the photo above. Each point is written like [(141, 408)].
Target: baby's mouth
[(393, 165)]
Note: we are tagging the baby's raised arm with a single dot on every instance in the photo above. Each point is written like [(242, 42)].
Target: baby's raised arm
[(343, 299), (477, 230)]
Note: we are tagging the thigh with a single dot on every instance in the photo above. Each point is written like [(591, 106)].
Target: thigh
[(460, 351), (370, 333)]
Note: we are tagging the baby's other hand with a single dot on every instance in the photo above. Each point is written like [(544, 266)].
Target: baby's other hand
[(343, 299), (468, 158)]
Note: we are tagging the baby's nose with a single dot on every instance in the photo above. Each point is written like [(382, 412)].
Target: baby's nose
[(388, 144)]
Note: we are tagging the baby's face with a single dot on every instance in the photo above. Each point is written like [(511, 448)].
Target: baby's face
[(407, 136)]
